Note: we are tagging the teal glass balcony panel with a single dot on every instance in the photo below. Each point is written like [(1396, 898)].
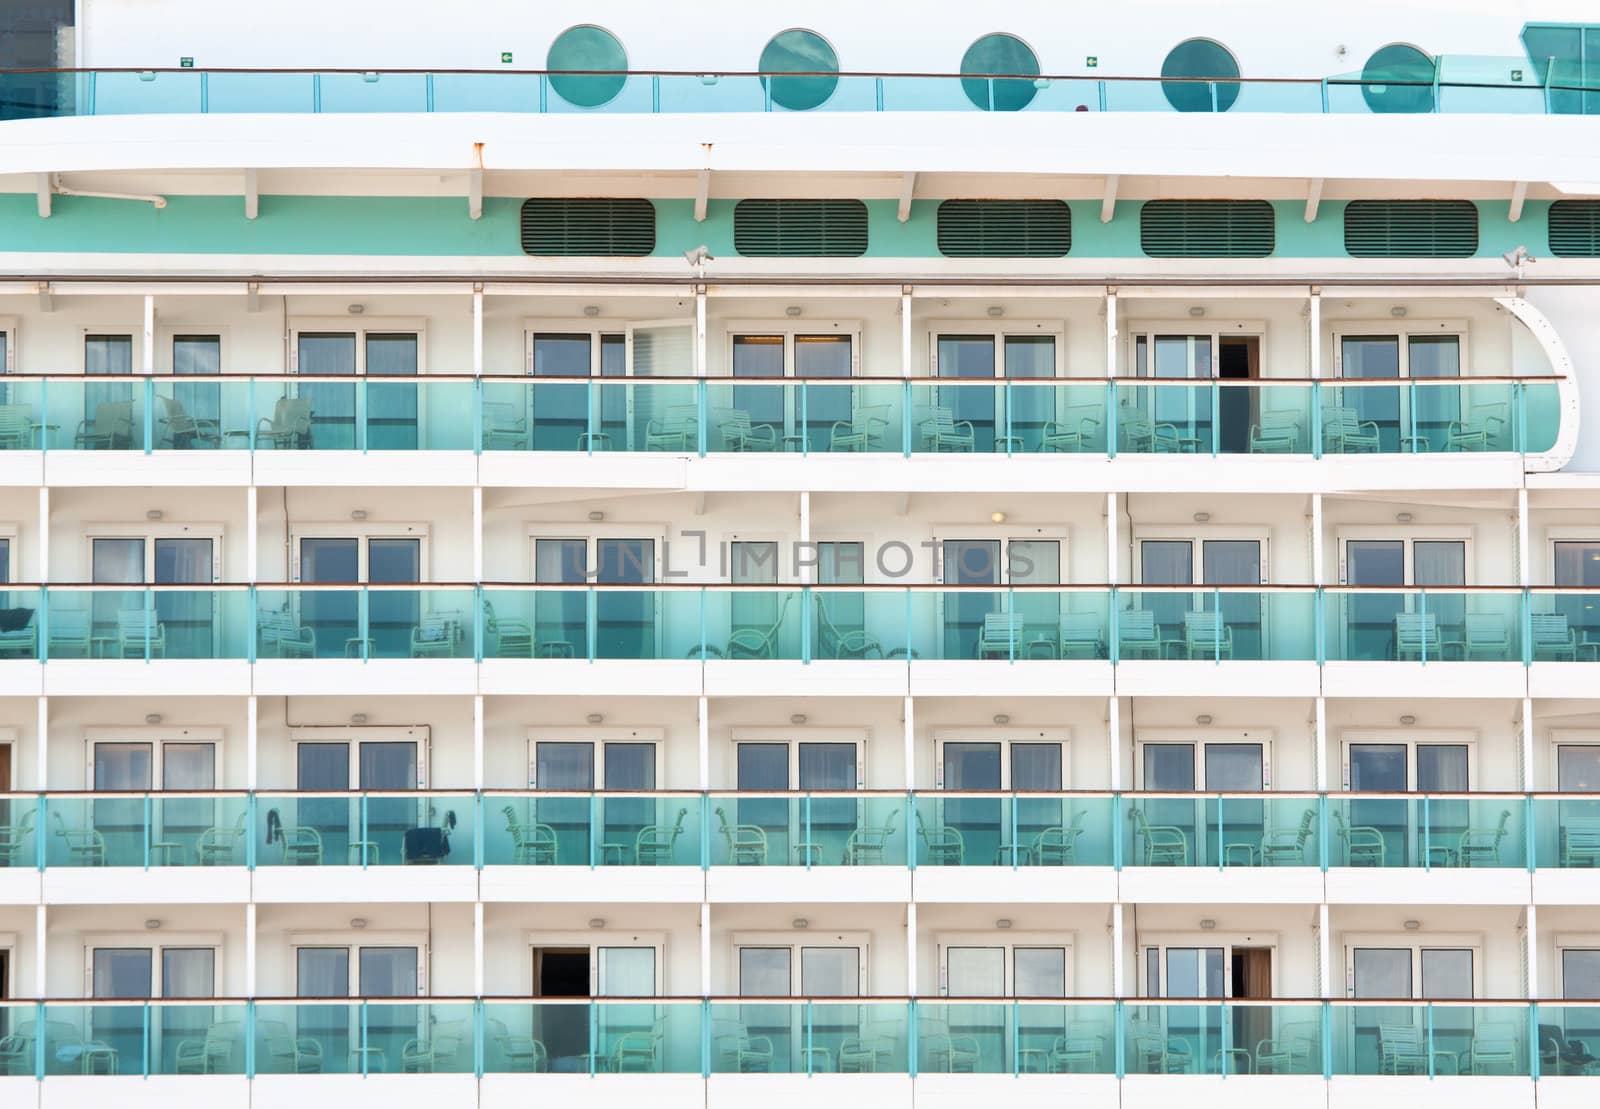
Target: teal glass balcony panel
[(1015, 1037), (579, 622), (527, 414), (1563, 625), (418, 1037), (591, 829), (198, 1037), (536, 1037), (857, 623), (135, 829), (1423, 625), (305, 623), (755, 623), (808, 829), (1008, 417), (1429, 416), (371, 622), (1013, 829), (1567, 832), (1217, 624), (20, 835), (1213, 830), (1222, 1038), (419, 623), (201, 413), (23, 426), (1176, 418), (102, 413), (129, 1038), (815, 416), (1428, 831), (780, 1036), (1007, 625), (164, 622), (358, 414), (20, 1029), (365, 829), (312, 1037), (1215, 417), (100, 1038), (20, 622), (1430, 1039), (1539, 414), (1568, 1036), (646, 1037)]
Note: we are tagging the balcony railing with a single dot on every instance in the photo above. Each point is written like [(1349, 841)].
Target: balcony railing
[(703, 416), (1458, 84), (702, 830), (806, 624), (799, 1036)]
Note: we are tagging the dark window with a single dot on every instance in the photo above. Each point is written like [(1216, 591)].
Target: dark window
[(800, 228), (1575, 228), (1005, 228), (622, 226), (1207, 228), (1411, 228)]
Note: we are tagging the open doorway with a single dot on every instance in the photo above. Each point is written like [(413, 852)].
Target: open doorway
[(561, 972), (1251, 981), (1238, 359), (564, 1030)]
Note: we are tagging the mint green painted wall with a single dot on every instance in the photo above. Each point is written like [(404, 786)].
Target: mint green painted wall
[(439, 226)]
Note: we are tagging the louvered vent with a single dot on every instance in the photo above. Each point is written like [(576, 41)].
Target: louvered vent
[(800, 228), (1411, 229), (599, 225), (1207, 228), (1575, 228), (1005, 228)]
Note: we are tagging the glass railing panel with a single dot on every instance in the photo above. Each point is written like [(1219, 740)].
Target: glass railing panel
[(758, 1037), (957, 417), (584, 829), (182, 623), (416, 829), (309, 829), (201, 413), (1377, 830), (1272, 1038), (754, 417), (965, 1037), (372, 92), (1003, 829), (1176, 1037), (1008, 625), (1066, 1038), (147, 93), (1564, 625), (851, 417), (261, 92), (366, 414), (22, 415), (810, 829), (536, 1037), (1217, 624), (579, 622), (22, 824), (1052, 418), (19, 1029), (20, 622), (302, 623), (1423, 625), (103, 413), (1264, 418), (1567, 831), (200, 1037), (1461, 416), (522, 414), (858, 623), (134, 830), (485, 92), (304, 414), (1174, 418), (746, 623), (536, 623), (1262, 830), (1364, 419), (1540, 416), (419, 1037), (419, 623), (308, 1037), (93, 1038), (1568, 1039), (647, 1037), (1430, 1039), (654, 416), (857, 1037)]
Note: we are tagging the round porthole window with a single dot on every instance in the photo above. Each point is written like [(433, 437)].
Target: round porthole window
[(799, 51), (1398, 78), (580, 52), (1200, 76), (999, 53)]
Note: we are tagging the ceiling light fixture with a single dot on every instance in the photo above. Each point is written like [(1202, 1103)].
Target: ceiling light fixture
[(797, 718), (995, 311), (596, 516), (1413, 925), (792, 311), (591, 310), (1202, 517), (594, 717), (1003, 923), (358, 922), (1407, 720), (597, 922), (358, 718), (800, 923), (1207, 924), (997, 517), (152, 924), (1203, 719), (152, 718), (358, 514), (1001, 718), (1402, 517), (153, 514), (356, 309), (1197, 311)]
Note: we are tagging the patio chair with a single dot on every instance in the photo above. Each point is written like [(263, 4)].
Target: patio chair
[(289, 426), (1164, 844), (944, 844), (16, 427), (1154, 1052), (135, 628), (1138, 635), (290, 1054), (433, 638), (747, 843), (1560, 1055), (16, 835), (1077, 1053), (1276, 432), (756, 642), (1343, 432), (301, 844), (741, 1052), (17, 1055), (1553, 640), (1416, 636), (532, 843), (939, 430), (676, 429), (1000, 636), (866, 844), (1082, 635), (1401, 1050), (1487, 637), (1580, 841), (1070, 436), (505, 427), (1363, 845), (1206, 636), (19, 633), (946, 1052), (212, 1054), (636, 1053), (866, 1053), (283, 637), (185, 432), (834, 642), (85, 846), (69, 633), (522, 1054), (739, 434), (1137, 435), (511, 636), (1058, 845), (1480, 430), (219, 844), (1481, 846), (654, 843), (1494, 1049), (1287, 846), (110, 429), (864, 431)]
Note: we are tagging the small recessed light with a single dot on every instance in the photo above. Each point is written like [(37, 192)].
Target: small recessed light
[(997, 517), (797, 718), (358, 922), (800, 923), (152, 924), (355, 309), (1398, 311), (594, 718), (792, 311), (153, 514), (1001, 718), (596, 516), (1413, 925), (597, 922), (358, 514), (1197, 310), (1003, 923), (1408, 720), (1203, 719), (1402, 517), (152, 718), (995, 311), (1207, 924), (1202, 517), (358, 718), (591, 310)]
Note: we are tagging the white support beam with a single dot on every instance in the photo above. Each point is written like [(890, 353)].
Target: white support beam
[(41, 936), (908, 189), (477, 745), (1108, 202), (700, 331), (477, 948), (1519, 195), (44, 533), (252, 740), (1318, 552), (1324, 950), (251, 536), (147, 360), (1320, 777), (1118, 956), (1314, 324), (1527, 745), (252, 195), (1112, 561), (908, 720), (911, 948), (702, 193), (1313, 199), (1114, 732), (41, 765), (1111, 333), (477, 533), (1524, 542), (705, 949), (47, 300), (252, 297), (250, 949), (475, 192), (807, 557), (905, 331), (703, 722), (1533, 953), (45, 187), (477, 330)]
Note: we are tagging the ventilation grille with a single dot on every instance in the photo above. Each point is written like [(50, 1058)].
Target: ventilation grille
[(800, 228), (1575, 228), (1005, 228), (588, 225), (1206, 228), (1411, 229)]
